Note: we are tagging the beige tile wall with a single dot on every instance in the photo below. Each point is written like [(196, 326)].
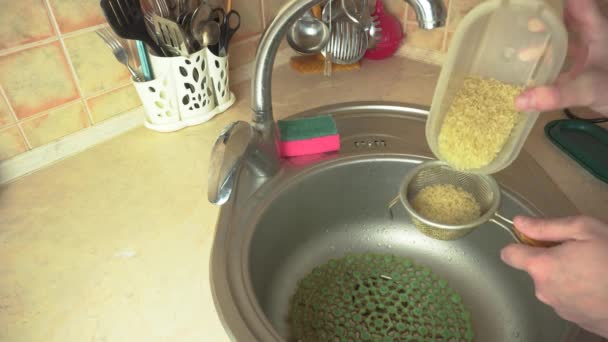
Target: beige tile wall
[(57, 77)]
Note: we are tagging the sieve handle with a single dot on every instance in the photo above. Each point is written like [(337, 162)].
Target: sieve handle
[(507, 225), (391, 205)]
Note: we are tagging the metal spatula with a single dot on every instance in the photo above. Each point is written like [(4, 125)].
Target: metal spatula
[(171, 36)]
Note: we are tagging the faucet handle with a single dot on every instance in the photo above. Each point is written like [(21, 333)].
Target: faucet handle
[(226, 157)]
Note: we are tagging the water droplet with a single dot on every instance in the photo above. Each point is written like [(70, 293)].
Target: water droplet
[(379, 244), (390, 246)]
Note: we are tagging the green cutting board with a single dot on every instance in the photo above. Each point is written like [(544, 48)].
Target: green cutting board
[(584, 142)]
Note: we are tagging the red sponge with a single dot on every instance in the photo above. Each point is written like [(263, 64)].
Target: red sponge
[(305, 136)]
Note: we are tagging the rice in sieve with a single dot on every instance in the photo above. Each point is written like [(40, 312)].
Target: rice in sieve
[(483, 188)]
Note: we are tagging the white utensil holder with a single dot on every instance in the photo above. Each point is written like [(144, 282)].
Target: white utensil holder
[(194, 90), (218, 69), (160, 105)]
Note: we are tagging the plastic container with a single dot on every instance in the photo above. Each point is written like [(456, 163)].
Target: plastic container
[(518, 42), (160, 105), (186, 91)]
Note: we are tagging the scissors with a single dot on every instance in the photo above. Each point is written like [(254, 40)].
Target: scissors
[(229, 23)]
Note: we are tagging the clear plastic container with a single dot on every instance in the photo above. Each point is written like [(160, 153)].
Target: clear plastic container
[(518, 42)]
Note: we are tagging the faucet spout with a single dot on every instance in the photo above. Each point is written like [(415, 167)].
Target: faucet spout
[(429, 13)]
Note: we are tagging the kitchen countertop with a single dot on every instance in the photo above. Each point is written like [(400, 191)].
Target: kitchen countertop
[(113, 244)]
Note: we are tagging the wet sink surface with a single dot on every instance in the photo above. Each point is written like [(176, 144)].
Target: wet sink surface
[(316, 209)]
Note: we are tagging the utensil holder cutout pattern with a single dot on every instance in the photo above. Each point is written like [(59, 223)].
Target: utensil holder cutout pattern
[(186, 91)]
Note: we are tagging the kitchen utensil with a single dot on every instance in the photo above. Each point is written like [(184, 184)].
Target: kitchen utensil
[(162, 8), (584, 142), (144, 61), (347, 43), (502, 31), (388, 41), (203, 31), (308, 34), (358, 12), (121, 54), (327, 67), (172, 4), (171, 36), (232, 22), (218, 15), (228, 5), (127, 20), (332, 10), (483, 188)]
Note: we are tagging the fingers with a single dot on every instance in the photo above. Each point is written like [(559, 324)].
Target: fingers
[(520, 256), (585, 90), (558, 229), (537, 262), (583, 16)]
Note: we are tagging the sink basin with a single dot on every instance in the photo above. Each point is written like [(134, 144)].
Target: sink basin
[(316, 208)]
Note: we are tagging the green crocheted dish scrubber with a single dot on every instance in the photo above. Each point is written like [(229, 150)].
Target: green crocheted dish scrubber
[(371, 297)]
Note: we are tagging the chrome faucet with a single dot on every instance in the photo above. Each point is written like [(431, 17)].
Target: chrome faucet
[(261, 153)]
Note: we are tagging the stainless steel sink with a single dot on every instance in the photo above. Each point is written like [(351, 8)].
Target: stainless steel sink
[(271, 234)]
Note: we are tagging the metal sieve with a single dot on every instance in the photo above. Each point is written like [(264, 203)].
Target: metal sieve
[(482, 187)]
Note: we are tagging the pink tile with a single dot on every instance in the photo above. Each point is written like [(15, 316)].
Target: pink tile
[(55, 124), (73, 15), (12, 142), (96, 67), (37, 79), (14, 30), (113, 103)]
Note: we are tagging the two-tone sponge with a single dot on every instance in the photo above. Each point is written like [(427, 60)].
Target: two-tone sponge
[(305, 136)]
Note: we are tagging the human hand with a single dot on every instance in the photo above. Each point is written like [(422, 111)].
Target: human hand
[(586, 83), (572, 276)]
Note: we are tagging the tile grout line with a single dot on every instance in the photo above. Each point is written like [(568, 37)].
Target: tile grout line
[(69, 60), (84, 30), (109, 90), (14, 115), (51, 39), (30, 45)]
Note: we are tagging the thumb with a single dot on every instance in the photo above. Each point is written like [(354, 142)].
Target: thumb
[(557, 229), (519, 256)]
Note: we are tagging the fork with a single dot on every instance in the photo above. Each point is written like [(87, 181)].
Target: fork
[(121, 54)]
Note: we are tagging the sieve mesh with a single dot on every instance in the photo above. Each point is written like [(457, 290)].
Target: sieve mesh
[(371, 297), (483, 188)]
